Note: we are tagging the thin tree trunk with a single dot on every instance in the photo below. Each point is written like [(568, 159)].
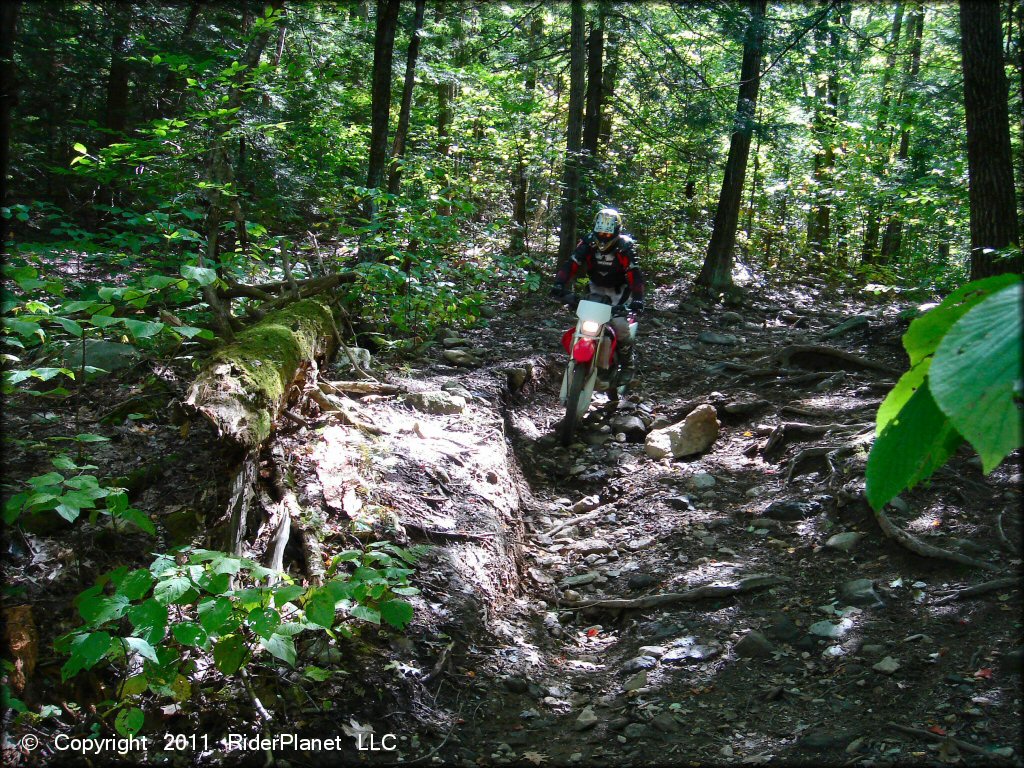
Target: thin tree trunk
[(893, 237), (8, 98), (520, 204), (115, 113), (380, 108), (872, 228), (398, 147), (819, 224), (608, 79), (716, 273), (573, 133), (994, 223), (592, 116)]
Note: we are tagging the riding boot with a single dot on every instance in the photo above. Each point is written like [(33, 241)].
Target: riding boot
[(626, 368)]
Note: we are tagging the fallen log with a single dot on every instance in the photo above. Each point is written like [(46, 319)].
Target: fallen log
[(241, 389), (703, 592)]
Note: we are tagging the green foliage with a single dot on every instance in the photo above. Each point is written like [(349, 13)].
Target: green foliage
[(964, 382), (150, 624)]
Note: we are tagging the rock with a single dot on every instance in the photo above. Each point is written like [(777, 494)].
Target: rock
[(455, 388), (436, 402), (821, 740), (631, 426), (731, 318), (581, 579), (587, 719), (1010, 662), (108, 355), (886, 666), (636, 682), (638, 663), (665, 723), (860, 592), (844, 542), (754, 645), (640, 581), (517, 377), (517, 684), (744, 407), (857, 321), (586, 504), (782, 627), (592, 547), (828, 629), (572, 596), (690, 654), (657, 651), (724, 339), (635, 731), (872, 649), (454, 341), (694, 434), (461, 358), (791, 510), (702, 481)]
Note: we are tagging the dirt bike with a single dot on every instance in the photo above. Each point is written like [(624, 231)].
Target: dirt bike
[(593, 362)]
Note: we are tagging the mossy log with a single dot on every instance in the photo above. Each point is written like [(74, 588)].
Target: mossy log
[(244, 384)]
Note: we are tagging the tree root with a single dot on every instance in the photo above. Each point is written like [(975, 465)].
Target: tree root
[(1008, 545), (919, 547), (342, 409), (961, 745), (359, 388), (979, 589), (439, 665), (574, 521), (788, 430), (707, 591), (786, 354)]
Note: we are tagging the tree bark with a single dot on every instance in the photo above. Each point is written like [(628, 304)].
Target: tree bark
[(826, 96), (405, 111), (573, 133), (380, 108), (716, 273), (521, 181), (592, 116), (8, 98), (994, 224), (608, 80), (893, 237), (115, 113)]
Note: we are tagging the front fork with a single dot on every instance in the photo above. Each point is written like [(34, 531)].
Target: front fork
[(592, 371)]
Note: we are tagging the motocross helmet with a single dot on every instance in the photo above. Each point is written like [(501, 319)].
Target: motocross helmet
[(606, 227)]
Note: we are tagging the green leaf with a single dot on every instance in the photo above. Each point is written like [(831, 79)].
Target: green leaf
[(129, 721), (201, 275), (89, 437), (189, 633), (315, 673), (264, 621), (287, 593), (139, 519), (898, 396), (142, 329), (214, 613), (149, 620), (915, 443), (99, 610), (136, 584), (142, 647), (925, 333), (80, 148), (365, 613), (168, 591), (281, 646), (320, 609), (397, 613), (134, 685), (70, 326), (229, 654), (86, 651), (976, 375)]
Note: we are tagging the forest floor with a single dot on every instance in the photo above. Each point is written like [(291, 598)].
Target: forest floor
[(853, 651)]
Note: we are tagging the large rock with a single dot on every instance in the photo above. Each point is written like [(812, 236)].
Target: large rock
[(461, 357), (695, 434), (436, 402), (107, 355)]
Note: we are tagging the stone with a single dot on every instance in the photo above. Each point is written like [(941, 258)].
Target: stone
[(109, 355), (587, 719), (886, 666), (791, 510), (461, 358), (640, 581), (851, 324), (586, 504), (517, 377), (702, 481), (723, 339), (636, 682), (744, 407), (581, 579), (631, 426), (731, 318), (690, 654), (517, 684), (782, 627), (872, 649), (695, 434), (436, 402), (638, 663), (754, 645), (635, 731), (665, 723), (592, 547), (826, 628), (860, 592), (844, 542), (454, 341), (657, 651)]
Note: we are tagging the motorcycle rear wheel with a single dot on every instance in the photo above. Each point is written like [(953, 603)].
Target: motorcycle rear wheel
[(572, 401)]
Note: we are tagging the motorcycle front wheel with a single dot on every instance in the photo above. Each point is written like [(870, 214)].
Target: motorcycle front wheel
[(577, 379)]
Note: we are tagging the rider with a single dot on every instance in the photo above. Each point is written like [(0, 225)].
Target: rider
[(608, 257)]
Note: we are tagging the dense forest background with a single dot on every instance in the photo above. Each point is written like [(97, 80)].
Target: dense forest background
[(175, 173)]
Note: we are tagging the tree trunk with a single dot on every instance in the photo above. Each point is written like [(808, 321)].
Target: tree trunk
[(592, 116), (398, 147), (608, 78), (826, 96), (380, 108), (445, 96), (573, 133), (8, 98), (716, 273), (115, 114), (994, 223), (872, 228), (893, 237), (520, 204)]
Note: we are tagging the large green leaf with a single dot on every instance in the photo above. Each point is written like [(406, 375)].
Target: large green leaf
[(86, 650), (320, 608), (129, 721), (914, 444), (135, 584), (229, 654), (149, 619), (143, 647), (281, 646), (214, 613), (201, 275), (397, 613), (976, 375), (925, 333)]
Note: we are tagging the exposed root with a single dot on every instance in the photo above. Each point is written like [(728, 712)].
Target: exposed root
[(439, 665), (747, 584), (919, 547), (1008, 545), (962, 745), (786, 354), (359, 388), (789, 430), (342, 409), (979, 589), (574, 521)]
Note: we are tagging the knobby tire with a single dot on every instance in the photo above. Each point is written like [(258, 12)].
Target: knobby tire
[(572, 401)]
